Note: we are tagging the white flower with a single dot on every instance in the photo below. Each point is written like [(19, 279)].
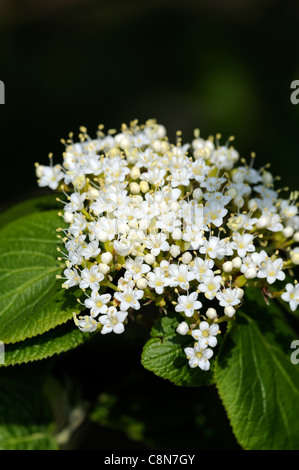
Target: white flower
[(240, 188), (267, 203), (291, 295), (129, 298), (266, 192), (76, 202), (100, 205), (288, 210), (212, 183), (115, 170), (103, 229), (86, 324), (154, 176), (228, 297), (224, 157), (125, 283), (199, 170), (210, 286), (97, 303), (91, 278), (78, 224), (136, 268), (202, 268), (246, 174), (168, 222), (49, 176), (72, 278), (269, 219), (75, 243), (157, 280), (157, 243), (218, 197), (180, 176), (253, 261), (206, 335), (193, 235), (216, 248), (113, 321), (241, 221), (188, 303), (91, 250), (191, 213), (74, 256), (242, 243), (272, 270), (214, 213), (275, 224), (199, 357), (180, 275), (181, 150), (144, 158), (177, 161)]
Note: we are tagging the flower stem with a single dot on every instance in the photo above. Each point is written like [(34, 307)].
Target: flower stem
[(112, 286)]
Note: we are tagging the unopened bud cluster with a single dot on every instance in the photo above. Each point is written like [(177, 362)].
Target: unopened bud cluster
[(184, 226)]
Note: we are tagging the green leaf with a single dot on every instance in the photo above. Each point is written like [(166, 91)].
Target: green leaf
[(164, 354), (29, 206), (56, 341), (32, 300), (25, 418), (256, 380)]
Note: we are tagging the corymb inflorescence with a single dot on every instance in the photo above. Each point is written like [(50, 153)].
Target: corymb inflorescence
[(185, 226)]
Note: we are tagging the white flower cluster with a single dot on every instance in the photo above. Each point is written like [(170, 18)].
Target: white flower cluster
[(180, 225)]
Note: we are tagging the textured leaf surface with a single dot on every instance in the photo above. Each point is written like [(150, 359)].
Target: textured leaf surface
[(164, 354), (257, 382), (56, 341), (31, 298)]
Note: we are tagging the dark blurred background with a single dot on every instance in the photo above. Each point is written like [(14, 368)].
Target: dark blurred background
[(222, 66)]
